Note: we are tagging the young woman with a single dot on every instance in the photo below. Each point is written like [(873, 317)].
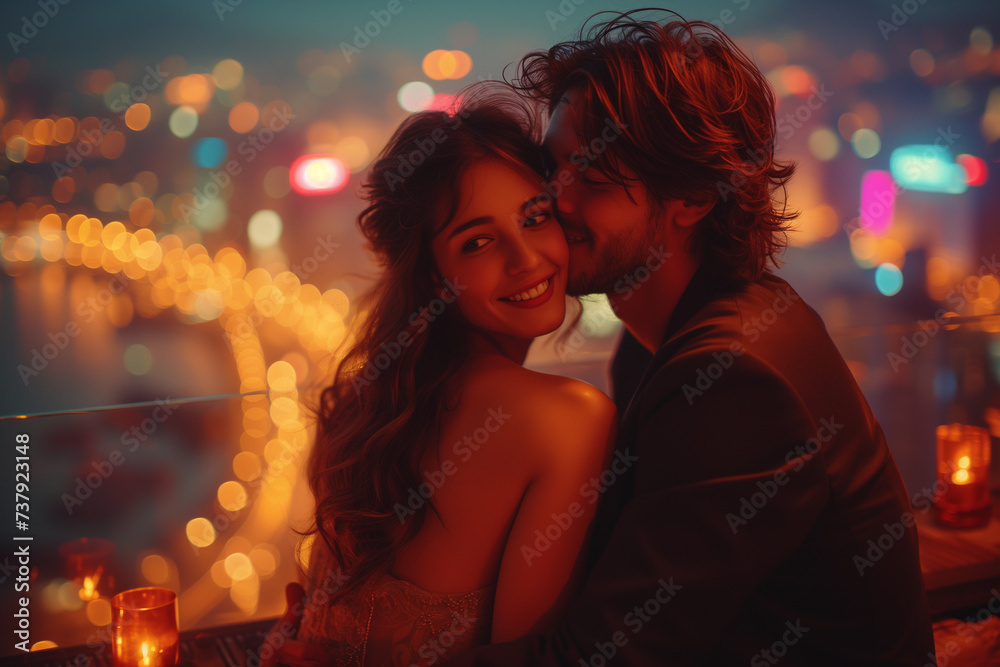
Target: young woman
[(449, 479)]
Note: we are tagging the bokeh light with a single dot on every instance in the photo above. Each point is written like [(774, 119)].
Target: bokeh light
[(922, 62), (441, 64), (232, 496), (981, 40), (183, 121), (247, 466), (200, 532), (318, 174), (264, 560), (888, 279), (929, 168), (227, 74), (209, 152), (137, 116), (264, 228), (155, 569), (866, 143), (138, 359), (797, 81), (415, 96), (823, 144), (276, 181), (238, 566), (975, 168), (281, 377), (243, 117), (354, 151), (878, 198)]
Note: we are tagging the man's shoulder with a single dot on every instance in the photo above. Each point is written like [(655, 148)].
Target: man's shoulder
[(747, 336), (756, 339), (769, 297), (763, 318)]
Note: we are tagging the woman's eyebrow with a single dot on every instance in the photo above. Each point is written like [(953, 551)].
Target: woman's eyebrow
[(481, 220)]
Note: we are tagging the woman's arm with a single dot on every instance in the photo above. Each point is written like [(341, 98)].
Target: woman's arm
[(566, 444)]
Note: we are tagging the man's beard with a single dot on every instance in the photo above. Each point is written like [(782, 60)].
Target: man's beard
[(617, 258)]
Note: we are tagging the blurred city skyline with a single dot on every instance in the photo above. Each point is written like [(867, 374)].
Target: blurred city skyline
[(137, 265)]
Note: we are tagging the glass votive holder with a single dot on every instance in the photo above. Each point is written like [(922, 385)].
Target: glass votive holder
[(144, 628), (88, 563), (963, 464)]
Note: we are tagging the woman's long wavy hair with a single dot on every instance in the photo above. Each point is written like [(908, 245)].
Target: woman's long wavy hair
[(387, 396), (699, 125)]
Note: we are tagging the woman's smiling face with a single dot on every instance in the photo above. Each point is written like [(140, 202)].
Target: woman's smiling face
[(505, 253)]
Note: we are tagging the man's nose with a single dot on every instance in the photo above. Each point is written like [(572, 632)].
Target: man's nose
[(567, 202), (565, 207)]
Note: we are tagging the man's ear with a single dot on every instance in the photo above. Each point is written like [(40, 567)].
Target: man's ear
[(686, 214)]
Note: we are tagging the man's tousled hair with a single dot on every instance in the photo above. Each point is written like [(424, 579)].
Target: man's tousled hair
[(698, 124)]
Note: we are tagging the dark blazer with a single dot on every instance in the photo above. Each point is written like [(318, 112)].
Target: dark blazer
[(760, 518)]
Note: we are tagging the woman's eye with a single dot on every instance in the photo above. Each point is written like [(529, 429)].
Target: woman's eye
[(473, 244), (539, 218)]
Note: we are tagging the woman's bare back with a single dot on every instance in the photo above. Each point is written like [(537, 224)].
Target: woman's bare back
[(513, 430)]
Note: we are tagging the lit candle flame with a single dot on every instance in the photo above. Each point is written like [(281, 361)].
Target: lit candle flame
[(145, 654), (961, 476), (964, 462), (88, 590)]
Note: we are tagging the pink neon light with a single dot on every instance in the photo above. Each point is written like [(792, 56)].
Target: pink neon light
[(878, 199), (318, 174)]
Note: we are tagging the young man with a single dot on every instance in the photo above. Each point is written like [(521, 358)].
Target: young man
[(743, 532)]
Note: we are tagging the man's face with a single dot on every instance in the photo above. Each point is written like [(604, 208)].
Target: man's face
[(608, 235)]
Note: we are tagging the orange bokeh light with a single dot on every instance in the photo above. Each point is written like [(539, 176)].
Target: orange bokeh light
[(65, 130), (99, 81), (441, 64), (243, 117), (797, 81), (137, 116), (63, 189), (44, 131), (195, 90), (112, 145)]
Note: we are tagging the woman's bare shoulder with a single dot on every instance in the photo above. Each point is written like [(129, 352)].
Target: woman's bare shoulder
[(542, 397), (501, 378)]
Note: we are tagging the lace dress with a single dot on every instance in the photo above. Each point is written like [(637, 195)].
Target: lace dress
[(392, 621)]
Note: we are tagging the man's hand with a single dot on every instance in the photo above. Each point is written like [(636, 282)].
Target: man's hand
[(284, 648)]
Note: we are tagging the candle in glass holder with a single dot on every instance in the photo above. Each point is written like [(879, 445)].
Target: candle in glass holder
[(963, 463), (144, 628), (89, 589), (88, 563)]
